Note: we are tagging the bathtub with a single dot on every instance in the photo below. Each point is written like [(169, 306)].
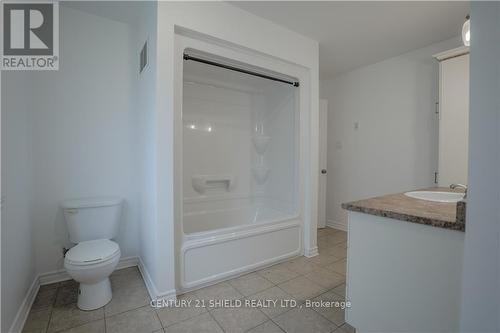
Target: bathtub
[(223, 243)]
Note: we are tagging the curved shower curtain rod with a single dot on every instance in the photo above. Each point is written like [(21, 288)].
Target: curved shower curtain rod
[(241, 70)]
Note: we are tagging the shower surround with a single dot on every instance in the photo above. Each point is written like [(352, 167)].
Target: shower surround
[(240, 164)]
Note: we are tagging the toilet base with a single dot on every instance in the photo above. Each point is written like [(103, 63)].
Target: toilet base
[(94, 296)]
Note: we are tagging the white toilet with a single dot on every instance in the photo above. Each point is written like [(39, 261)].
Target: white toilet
[(92, 223)]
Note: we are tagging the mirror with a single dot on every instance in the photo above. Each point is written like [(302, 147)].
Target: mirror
[(453, 116)]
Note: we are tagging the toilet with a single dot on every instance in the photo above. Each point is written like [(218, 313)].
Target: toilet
[(92, 224)]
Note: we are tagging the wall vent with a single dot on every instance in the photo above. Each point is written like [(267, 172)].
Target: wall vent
[(143, 61)]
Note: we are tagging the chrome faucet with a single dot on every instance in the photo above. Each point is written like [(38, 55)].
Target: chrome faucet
[(454, 186)]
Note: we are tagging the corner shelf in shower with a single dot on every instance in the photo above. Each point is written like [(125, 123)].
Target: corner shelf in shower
[(260, 142)]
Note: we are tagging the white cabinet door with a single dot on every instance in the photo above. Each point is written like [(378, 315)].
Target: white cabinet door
[(453, 120)]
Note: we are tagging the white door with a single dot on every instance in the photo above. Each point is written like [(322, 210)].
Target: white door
[(453, 120), (323, 130)]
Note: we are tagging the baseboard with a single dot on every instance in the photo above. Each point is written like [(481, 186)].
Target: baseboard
[(151, 287), (312, 252), (336, 225), (62, 275), (24, 309)]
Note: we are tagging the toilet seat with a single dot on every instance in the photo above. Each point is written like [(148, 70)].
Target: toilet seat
[(92, 252)]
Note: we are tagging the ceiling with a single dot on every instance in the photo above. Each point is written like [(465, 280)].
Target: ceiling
[(128, 12), (354, 34)]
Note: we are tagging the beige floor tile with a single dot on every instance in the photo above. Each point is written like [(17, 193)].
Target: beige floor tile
[(340, 290), (49, 286), (44, 299), (220, 291), (70, 316), (325, 278), (339, 266), (337, 238), (201, 324), (346, 328), (127, 297), (267, 327), (143, 320), (250, 284), (172, 315), (338, 251), (68, 283), (66, 294), (277, 273), (37, 321), (323, 243), (323, 259), (126, 271), (323, 232), (302, 288), (92, 327), (234, 320), (301, 265), (334, 314), (304, 320), (127, 276), (273, 294)]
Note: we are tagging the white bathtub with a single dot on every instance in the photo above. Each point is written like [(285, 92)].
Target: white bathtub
[(223, 243)]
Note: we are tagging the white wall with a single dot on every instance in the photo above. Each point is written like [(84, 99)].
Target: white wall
[(481, 276), (84, 131), (144, 104), (395, 146), (18, 259), (213, 19)]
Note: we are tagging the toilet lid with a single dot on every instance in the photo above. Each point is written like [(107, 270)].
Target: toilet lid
[(91, 252)]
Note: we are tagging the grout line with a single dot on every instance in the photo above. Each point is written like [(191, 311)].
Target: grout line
[(128, 310), (104, 314), (324, 316), (215, 319), (258, 292), (265, 321), (158, 317), (275, 323), (52, 307)]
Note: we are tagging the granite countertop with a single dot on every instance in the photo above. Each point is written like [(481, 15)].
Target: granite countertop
[(400, 207)]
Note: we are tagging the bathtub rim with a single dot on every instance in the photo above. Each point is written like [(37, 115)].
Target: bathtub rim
[(234, 229)]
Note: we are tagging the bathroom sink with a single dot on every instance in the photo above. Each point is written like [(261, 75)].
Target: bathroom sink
[(436, 196)]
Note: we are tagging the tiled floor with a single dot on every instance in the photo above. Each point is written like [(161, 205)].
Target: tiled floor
[(300, 279)]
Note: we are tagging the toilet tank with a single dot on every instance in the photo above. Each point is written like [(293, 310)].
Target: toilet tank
[(92, 218)]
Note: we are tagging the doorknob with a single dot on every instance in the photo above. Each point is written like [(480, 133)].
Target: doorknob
[(323, 171)]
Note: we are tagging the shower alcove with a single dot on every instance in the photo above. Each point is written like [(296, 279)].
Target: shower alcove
[(240, 166)]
